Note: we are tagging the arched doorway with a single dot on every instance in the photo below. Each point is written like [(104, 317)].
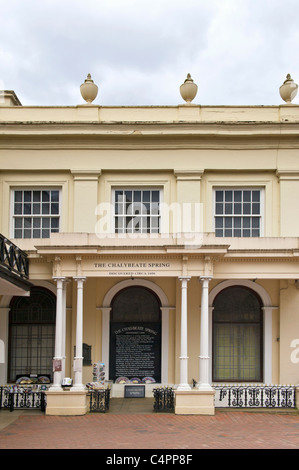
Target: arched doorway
[(237, 336), (32, 334), (135, 336)]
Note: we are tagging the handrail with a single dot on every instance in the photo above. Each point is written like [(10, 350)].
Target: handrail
[(13, 258)]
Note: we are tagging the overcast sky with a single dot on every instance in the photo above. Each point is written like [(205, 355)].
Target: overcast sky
[(140, 51)]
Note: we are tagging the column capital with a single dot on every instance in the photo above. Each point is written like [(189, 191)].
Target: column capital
[(59, 278), (79, 278), (205, 278), (184, 278)]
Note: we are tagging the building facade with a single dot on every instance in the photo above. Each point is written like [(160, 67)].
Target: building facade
[(161, 241)]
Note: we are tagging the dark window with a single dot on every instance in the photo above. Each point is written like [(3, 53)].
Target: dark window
[(237, 336), (238, 213), (137, 211), (32, 334)]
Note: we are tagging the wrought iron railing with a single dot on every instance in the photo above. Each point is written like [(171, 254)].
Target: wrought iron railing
[(22, 399), (13, 258), (99, 400), (164, 399), (255, 396)]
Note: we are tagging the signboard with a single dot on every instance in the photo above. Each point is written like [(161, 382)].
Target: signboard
[(134, 391), (135, 352)]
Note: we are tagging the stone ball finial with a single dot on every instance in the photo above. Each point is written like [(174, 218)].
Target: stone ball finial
[(288, 89), (188, 89), (89, 90)]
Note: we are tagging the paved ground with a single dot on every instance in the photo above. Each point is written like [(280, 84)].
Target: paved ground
[(135, 426)]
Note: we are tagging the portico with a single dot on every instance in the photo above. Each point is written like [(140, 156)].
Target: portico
[(185, 281)]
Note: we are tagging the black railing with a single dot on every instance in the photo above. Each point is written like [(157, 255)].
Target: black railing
[(164, 399), (13, 259), (255, 396), (99, 400), (22, 399)]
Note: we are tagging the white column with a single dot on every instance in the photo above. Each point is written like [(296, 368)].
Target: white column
[(204, 358), (184, 337), (78, 359), (267, 344), (64, 326), (57, 360), (4, 327), (106, 337)]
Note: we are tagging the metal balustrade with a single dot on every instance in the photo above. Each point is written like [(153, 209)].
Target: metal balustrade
[(255, 396), (13, 259), (99, 400), (163, 399), (22, 399)]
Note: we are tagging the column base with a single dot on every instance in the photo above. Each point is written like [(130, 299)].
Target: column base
[(195, 402), (66, 403)]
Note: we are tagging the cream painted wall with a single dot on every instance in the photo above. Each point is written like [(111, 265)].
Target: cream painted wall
[(289, 332)]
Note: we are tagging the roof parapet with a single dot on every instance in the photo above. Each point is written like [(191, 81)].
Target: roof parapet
[(9, 98)]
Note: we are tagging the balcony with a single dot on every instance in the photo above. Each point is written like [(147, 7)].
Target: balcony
[(14, 269)]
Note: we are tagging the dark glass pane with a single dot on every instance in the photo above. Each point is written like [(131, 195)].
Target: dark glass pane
[(219, 208), (18, 208), (237, 335), (146, 196), (228, 208), (54, 208), (256, 196), (228, 196), (219, 196), (18, 196), (128, 196), (45, 208), (246, 208), (237, 196), (135, 304), (45, 196), (27, 196), (27, 208), (247, 196), (54, 196), (137, 196), (36, 196)]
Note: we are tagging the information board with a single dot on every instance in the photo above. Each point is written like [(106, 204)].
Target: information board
[(135, 352)]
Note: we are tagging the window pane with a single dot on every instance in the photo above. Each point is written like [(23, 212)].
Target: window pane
[(35, 203), (219, 196), (237, 336), (140, 208)]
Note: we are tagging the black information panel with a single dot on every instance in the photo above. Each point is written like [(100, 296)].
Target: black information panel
[(134, 391), (135, 352)]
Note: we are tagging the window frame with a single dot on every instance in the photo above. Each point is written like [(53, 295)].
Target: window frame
[(14, 217), (235, 322), (144, 216), (261, 215)]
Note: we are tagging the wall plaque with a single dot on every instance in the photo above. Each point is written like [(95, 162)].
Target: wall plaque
[(134, 391)]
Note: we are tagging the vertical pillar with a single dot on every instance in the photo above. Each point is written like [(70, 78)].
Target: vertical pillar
[(58, 358), (78, 359), (64, 326), (204, 358), (184, 337)]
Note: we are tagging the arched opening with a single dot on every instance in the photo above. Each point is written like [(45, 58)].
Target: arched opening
[(32, 334), (237, 336), (135, 336)]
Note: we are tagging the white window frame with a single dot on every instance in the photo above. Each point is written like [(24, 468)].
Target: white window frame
[(261, 215), (142, 215), (33, 216)]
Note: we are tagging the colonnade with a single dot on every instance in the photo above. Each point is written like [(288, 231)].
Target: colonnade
[(60, 336), (204, 359)]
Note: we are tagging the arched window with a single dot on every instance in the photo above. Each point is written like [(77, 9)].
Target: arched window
[(32, 334), (135, 336), (237, 336)]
